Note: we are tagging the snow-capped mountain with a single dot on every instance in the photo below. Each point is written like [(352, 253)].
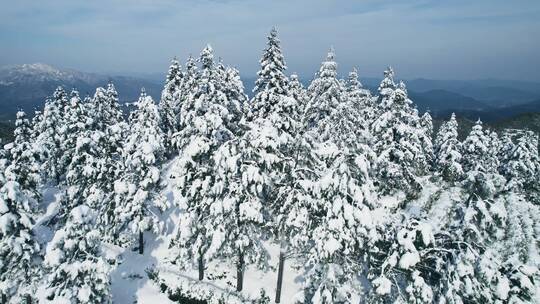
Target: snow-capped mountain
[(42, 72), (27, 86)]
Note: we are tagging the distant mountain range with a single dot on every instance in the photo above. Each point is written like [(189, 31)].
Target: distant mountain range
[(495, 114), (493, 92), (488, 99), (27, 86)]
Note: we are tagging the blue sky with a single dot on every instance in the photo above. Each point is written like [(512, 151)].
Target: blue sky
[(432, 39)]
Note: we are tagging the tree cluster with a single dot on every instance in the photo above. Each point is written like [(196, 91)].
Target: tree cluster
[(330, 172)]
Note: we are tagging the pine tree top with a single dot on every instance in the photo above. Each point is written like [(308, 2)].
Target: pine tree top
[(191, 64), (426, 118), (294, 78), (20, 116), (207, 57), (329, 67), (353, 83), (174, 70), (271, 76), (387, 84), (111, 91), (477, 127), (22, 132), (59, 93)]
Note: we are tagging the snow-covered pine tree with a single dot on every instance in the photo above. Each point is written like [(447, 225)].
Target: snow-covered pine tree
[(475, 150), (169, 105), (472, 258), (20, 267), (387, 85), (239, 213), (354, 88), (342, 225), (76, 272), (400, 266), (365, 101), (520, 162), (189, 87), (426, 137), (292, 201), (78, 121), (4, 161), (283, 154), (271, 83), (234, 90), (24, 165), (517, 252), (299, 93), (397, 136), (345, 126), (51, 132), (447, 151), (137, 191), (92, 157), (507, 146), (36, 124), (344, 176), (90, 177), (207, 123), (476, 270), (113, 110), (111, 169), (98, 133), (360, 99), (494, 149), (78, 164), (325, 93), (105, 109)]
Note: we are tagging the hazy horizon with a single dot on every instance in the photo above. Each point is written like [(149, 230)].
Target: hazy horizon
[(420, 39), (160, 76)]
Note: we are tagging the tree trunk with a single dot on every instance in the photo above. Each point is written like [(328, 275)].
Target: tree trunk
[(28, 299), (201, 267), (240, 272), (141, 242), (4, 299), (280, 274)]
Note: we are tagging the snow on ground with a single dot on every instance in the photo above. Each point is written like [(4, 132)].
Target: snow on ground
[(224, 281), (129, 280)]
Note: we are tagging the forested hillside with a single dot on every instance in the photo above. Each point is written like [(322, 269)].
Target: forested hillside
[(329, 193)]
